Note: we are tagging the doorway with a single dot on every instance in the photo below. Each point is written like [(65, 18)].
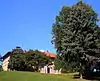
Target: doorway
[(48, 70)]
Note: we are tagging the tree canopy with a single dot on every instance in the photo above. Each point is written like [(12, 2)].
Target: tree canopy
[(30, 60), (76, 33)]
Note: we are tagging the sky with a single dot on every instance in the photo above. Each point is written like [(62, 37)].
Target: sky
[(28, 23)]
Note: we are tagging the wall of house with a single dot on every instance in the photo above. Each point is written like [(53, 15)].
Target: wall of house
[(5, 63), (51, 70)]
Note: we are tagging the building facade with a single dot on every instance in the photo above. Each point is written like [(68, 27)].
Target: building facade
[(5, 61), (48, 68)]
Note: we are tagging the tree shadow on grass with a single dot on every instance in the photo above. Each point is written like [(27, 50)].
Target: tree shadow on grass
[(77, 76)]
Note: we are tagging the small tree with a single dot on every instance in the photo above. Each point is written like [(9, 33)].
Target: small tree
[(1, 63), (16, 59), (36, 59), (25, 61)]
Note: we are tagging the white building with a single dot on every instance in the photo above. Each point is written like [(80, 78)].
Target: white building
[(49, 68), (6, 61)]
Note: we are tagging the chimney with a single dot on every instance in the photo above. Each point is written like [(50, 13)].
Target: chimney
[(47, 51)]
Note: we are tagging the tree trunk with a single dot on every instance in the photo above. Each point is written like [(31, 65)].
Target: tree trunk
[(81, 71)]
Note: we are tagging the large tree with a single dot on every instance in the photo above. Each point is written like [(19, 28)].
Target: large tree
[(76, 34)]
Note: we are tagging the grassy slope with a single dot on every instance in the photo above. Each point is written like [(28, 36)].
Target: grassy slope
[(29, 76)]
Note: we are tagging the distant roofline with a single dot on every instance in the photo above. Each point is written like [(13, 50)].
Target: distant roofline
[(47, 53), (6, 55), (52, 55)]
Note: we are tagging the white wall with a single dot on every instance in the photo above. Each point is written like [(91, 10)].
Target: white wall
[(5, 63)]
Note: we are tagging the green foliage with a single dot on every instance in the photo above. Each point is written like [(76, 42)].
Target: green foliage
[(58, 63), (76, 34), (31, 60), (36, 59), (16, 61), (1, 68), (1, 61)]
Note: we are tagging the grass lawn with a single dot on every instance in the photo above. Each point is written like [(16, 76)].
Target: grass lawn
[(30, 76)]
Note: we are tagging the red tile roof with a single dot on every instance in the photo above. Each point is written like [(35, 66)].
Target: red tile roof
[(50, 54)]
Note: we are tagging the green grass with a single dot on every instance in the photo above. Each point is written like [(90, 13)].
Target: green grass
[(30, 76)]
